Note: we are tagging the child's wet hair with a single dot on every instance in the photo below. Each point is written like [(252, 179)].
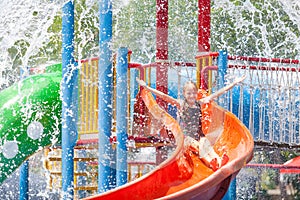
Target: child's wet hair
[(189, 83)]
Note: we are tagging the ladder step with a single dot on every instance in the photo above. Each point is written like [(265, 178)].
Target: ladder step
[(58, 173), (86, 188), (75, 159)]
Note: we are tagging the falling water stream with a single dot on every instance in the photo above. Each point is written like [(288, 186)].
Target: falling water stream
[(249, 28)]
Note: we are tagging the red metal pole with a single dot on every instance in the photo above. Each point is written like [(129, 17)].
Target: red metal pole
[(162, 48), (260, 59), (203, 25)]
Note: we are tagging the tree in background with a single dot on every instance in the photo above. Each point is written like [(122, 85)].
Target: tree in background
[(265, 28)]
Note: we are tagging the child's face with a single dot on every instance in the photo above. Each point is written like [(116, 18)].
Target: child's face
[(190, 93)]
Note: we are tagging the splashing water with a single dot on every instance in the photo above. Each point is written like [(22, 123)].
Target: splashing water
[(23, 32), (265, 28), (241, 27)]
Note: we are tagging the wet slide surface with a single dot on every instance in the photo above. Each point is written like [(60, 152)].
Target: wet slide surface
[(184, 175), (30, 114)]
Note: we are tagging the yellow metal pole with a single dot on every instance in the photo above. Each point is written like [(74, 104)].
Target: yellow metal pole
[(85, 94), (95, 97), (75, 176), (114, 95), (209, 75), (82, 87), (198, 72), (149, 75), (129, 172)]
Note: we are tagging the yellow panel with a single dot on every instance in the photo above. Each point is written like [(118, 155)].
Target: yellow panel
[(88, 97)]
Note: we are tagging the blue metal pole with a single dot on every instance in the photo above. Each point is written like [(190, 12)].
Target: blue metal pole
[(222, 70), (24, 170), (24, 173), (231, 193), (106, 173), (69, 89), (122, 113), (24, 181)]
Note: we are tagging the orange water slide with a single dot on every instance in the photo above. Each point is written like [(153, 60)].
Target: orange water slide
[(184, 175)]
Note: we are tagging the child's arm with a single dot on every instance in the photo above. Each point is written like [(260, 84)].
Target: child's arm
[(222, 90), (162, 95)]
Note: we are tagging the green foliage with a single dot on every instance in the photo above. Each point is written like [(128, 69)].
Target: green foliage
[(258, 28), (86, 30), (268, 178), (17, 51), (135, 28), (183, 30), (262, 28), (50, 51)]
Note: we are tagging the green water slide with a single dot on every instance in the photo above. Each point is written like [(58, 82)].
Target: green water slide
[(30, 118)]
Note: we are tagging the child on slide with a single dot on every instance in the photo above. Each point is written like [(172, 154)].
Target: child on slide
[(190, 120)]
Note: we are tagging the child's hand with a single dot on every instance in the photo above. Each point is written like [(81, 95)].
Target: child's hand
[(222, 90), (141, 82)]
